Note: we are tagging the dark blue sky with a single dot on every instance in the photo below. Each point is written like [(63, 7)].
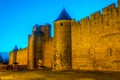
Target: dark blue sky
[(17, 17)]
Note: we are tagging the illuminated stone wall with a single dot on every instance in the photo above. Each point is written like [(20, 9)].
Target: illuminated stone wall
[(93, 43), (31, 51), (40, 50), (96, 41), (62, 45), (22, 57), (48, 53), (46, 46), (40, 45), (12, 57)]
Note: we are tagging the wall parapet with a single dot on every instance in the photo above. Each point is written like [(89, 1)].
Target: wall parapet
[(98, 17)]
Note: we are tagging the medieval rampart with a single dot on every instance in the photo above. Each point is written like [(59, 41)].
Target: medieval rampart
[(96, 45), (22, 57)]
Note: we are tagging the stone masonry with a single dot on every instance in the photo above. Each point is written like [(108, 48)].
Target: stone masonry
[(92, 43)]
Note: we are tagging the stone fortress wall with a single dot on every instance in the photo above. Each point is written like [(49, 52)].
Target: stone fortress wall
[(96, 41), (39, 50), (40, 47), (12, 57), (93, 43), (22, 56)]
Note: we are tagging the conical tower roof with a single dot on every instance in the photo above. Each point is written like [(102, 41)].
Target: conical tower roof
[(15, 48), (63, 16), (1, 59)]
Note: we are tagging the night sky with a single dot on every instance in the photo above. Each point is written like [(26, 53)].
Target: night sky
[(17, 17)]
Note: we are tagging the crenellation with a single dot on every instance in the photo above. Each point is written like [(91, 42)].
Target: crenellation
[(89, 44), (95, 15), (75, 24), (85, 25), (84, 21), (108, 9)]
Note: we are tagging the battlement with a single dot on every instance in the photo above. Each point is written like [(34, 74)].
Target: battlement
[(96, 38), (42, 29), (85, 21), (109, 9), (107, 13), (95, 15), (89, 44), (23, 49)]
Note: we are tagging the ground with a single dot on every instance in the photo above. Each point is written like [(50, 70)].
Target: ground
[(46, 74)]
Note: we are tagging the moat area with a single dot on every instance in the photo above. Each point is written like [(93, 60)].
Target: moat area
[(49, 75)]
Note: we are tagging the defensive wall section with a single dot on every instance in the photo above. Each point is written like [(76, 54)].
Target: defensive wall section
[(92, 43), (96, 41), (22, 56)]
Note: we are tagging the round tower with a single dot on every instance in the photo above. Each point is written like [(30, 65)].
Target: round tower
[(31, 49), (62, 36)]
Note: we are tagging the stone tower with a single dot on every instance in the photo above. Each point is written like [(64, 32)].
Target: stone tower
[(31, 50), (62, 53), (36, 43)]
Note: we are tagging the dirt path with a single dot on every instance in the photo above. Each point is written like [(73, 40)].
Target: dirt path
[(49, 75)]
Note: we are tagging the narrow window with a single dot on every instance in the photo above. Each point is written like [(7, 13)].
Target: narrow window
[(61, 24)]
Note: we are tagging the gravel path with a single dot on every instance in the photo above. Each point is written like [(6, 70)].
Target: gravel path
[(49, 75)]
